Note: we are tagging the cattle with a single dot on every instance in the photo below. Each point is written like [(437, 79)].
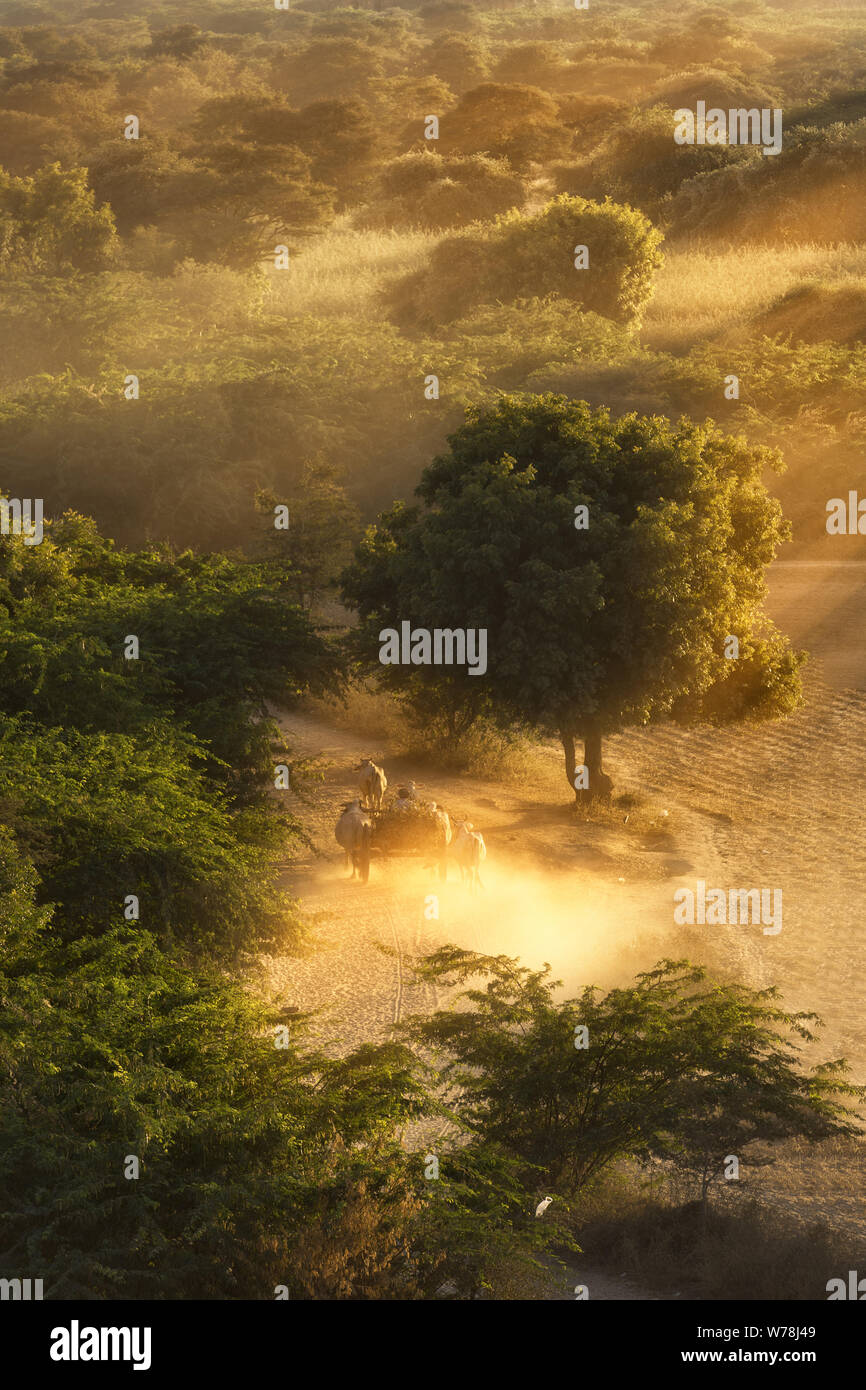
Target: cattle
[(470, 852), (353, 832), (443, 826), (443, 835), (373, 784)]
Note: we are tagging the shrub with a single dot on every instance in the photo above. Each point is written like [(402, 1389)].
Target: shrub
[(461, 62), (519, 257), (714, 86), (517, 122), (50, 222), (638, 162), (426, 190), (813, 190)]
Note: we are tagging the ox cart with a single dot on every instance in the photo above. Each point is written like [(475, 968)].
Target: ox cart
[(415, 828)]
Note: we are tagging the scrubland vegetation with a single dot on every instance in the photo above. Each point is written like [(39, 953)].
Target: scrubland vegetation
[(306, 128), (281, 260)]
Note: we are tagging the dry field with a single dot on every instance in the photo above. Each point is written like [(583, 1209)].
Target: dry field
[(701, 294), (340, 272)]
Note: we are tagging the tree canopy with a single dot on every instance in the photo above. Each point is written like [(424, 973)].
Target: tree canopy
[(610, 560), (674, 1065)]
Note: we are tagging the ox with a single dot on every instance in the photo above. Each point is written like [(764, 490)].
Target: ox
[(373, 784), (442, 834), (470, 852), (353, 832)]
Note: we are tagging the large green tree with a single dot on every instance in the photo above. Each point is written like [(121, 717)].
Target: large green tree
[(150, 777), (610, 561)]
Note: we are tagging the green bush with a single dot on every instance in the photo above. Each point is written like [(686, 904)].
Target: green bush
[(519, 257)]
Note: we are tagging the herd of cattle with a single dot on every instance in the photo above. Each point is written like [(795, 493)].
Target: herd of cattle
[(356, 828)]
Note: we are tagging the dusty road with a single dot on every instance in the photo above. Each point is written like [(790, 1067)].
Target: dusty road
[(778, 806)]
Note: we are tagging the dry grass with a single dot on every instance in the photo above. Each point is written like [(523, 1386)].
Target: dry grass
[(700, 294), (339, 273), (370, 714), (819, 1182), (705, 294), (747, 1249), (484, 752)]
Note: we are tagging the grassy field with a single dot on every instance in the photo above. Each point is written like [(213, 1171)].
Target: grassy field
[(702, 294), (340, 273)]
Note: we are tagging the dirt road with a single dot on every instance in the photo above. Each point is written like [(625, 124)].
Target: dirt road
[(778, 806)]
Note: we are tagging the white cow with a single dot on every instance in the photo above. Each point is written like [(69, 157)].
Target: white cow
[(470, 852), (373, 784), (443, 826), (353, 832), (443, 835)]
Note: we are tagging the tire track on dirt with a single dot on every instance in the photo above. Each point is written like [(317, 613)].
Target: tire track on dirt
[(398, 964)]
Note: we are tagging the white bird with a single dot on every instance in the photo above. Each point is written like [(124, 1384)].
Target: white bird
[(542, 1206)]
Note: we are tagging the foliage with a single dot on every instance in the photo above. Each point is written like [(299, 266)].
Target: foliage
[(427, 190), (811, 191), (149, 776), (638, 163), (510, 121), (317, 543), (49, 222), (621, 622), (516, 257), (674, 1065), (250, 1154)]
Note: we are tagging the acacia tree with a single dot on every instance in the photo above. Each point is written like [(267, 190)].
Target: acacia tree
[(591, 627), (675, 1065)]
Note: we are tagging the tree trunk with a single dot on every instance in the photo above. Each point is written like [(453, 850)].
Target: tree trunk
[(566, 738), (599, 783), (705, 1202)]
